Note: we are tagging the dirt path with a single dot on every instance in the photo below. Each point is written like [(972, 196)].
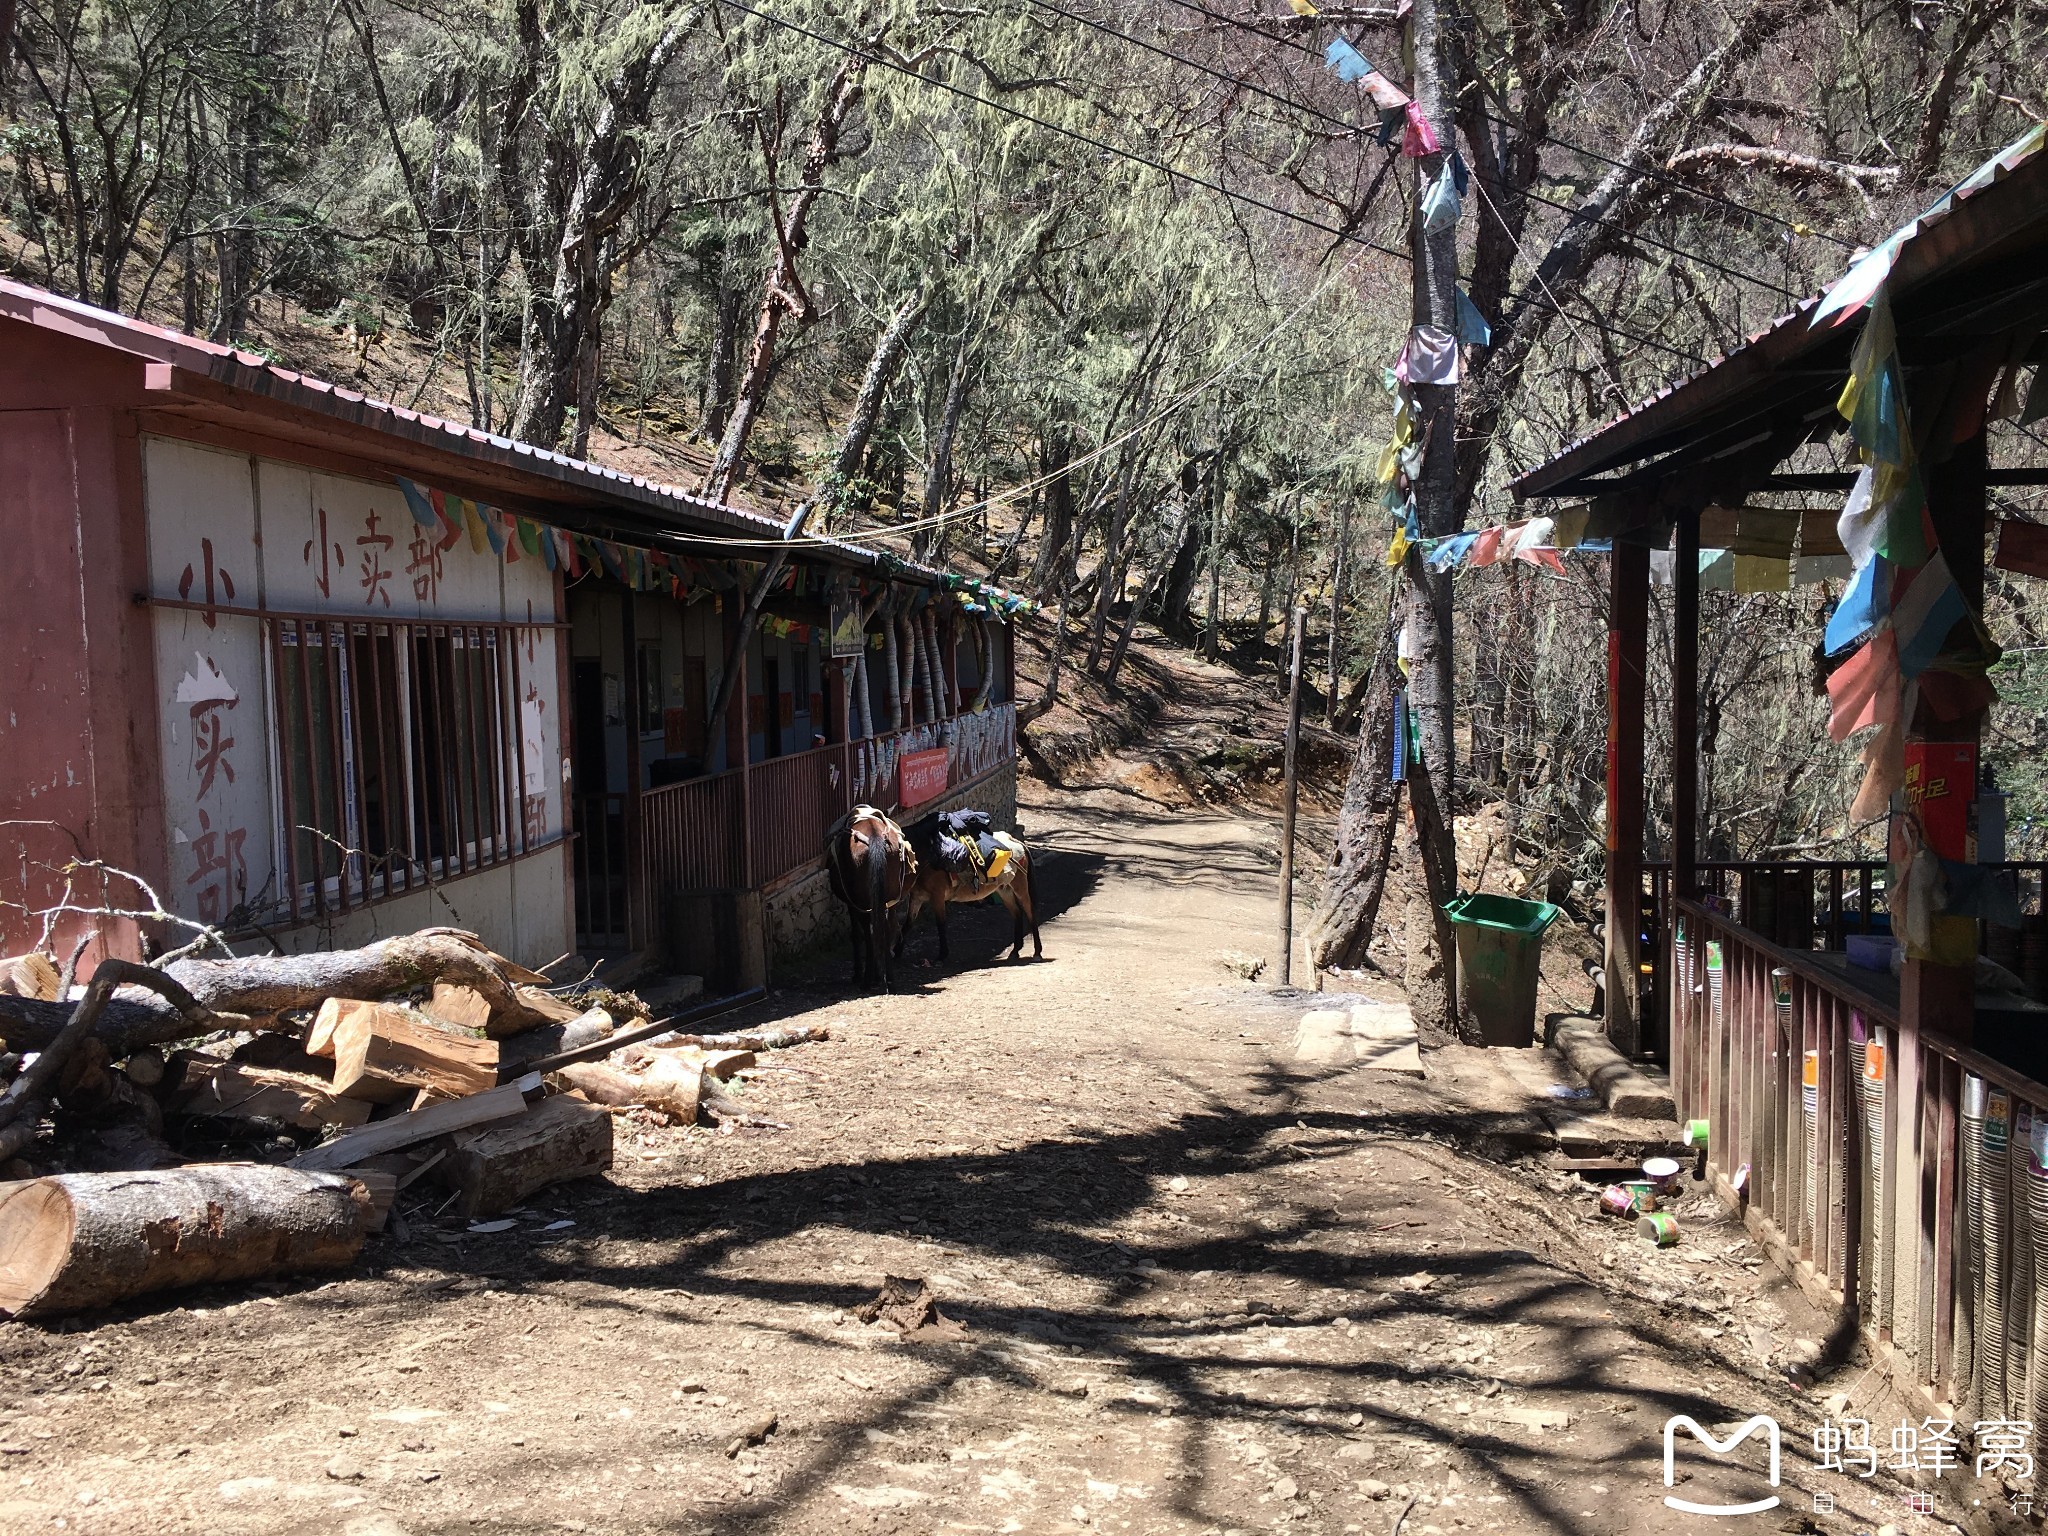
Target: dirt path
[(1201, 1292)]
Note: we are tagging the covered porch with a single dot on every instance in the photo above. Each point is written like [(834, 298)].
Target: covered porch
[(1872, 1119)]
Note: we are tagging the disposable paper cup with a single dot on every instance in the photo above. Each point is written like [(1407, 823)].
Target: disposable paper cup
[(1659, 1227)]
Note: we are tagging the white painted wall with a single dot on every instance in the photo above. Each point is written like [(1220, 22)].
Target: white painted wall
[(290, 539)]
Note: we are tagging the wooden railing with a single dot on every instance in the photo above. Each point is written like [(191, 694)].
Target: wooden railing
[(795, 801), (692, 835), (749, 826), (1889, 1168)]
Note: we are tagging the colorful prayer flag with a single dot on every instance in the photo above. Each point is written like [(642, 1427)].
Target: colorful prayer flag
[(1346, 60), (422, 508)]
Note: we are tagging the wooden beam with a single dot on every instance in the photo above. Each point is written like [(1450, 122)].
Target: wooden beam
[(1941, 999), (381, 1136), (1685, 707), (1627, 646)]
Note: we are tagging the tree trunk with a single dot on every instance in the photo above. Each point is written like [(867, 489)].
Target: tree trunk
[(1056, 450), (890, 349), (938, 476), (1340, 570), (83, 1240), (715, 405), (1107, 573), (261, 987), (892, 672), (1342, 930), (918, 685), (1215, 619), (1146, 591), (782, 290), (1427, 598)]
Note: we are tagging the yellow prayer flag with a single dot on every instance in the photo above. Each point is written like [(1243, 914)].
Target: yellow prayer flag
[(1390, 458), (1397, 551), (1303, 8), (479, 540)]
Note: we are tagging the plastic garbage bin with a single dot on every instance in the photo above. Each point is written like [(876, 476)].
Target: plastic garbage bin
[(1500, 941)]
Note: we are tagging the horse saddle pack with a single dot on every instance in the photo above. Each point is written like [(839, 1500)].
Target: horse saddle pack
[(969, 846)]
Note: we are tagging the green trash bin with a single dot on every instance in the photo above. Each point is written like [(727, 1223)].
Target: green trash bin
[(1500, 941)]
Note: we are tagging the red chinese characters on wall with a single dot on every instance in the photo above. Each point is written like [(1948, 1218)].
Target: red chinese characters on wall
[(212, 574)]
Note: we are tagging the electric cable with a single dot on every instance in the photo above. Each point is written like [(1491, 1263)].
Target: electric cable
[(1564, 143), (1170, 171), (1781, 288)]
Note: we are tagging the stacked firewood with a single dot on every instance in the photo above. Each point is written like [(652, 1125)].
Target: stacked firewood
[(421, 1056)]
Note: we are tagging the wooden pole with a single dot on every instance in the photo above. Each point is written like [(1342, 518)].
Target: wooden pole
[(1935, 998), (1288, 802), (1685, 708), (1628, 624)]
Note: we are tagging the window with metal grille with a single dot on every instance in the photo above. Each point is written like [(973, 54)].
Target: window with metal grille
[(398, 754)]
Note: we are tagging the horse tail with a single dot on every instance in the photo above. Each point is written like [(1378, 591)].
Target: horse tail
[(877, 880)]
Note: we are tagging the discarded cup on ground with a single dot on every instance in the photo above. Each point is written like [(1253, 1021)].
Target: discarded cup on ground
[(1645, 1193), (1740, 1183), (1659, 1227), (1616, 1201), (1661, 1171)]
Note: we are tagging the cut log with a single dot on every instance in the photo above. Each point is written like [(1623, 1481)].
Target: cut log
[(29, 975), (145, 1069), (718, 1064), (262, 987), (492, 1169), (84, 1240), (774, 1037), (236, 1091), (281, 1053), (387, 1054), (461, 1007), (670, 1086), (532, 1044), (380, 1188), (380, 1136)]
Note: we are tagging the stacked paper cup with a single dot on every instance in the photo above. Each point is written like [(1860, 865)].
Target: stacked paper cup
[(1866, 1048), (2037, 1205), (1969, 1292), (2019, 1310), (1995, 1197), (1809, 1105), (1714, 980)]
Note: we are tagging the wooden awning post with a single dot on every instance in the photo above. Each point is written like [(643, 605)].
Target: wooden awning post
[(1934, 998), (1685, 707), (1628, 627)]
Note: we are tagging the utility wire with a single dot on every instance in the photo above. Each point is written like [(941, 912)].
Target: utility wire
[(1170, 171), (1354, 129), (1563, 143)]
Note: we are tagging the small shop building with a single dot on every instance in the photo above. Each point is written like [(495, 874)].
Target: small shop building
[(311, 668)]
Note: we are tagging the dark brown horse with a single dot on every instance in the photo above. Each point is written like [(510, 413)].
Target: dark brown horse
[(937, 887), (872, 870)]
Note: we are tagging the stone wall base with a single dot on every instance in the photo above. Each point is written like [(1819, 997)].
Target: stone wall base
[(803, 917)]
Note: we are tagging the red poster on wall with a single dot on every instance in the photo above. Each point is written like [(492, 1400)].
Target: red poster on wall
[(920, 776), (1941, 782)]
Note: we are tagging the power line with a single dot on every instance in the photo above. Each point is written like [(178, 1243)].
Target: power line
[(1170, 171), (1352, 128), (1563, 143)]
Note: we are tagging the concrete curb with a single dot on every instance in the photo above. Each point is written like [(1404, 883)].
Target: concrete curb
[(1624, 1090)]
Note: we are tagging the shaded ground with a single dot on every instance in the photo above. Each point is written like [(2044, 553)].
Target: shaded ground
[(1201, 1292)]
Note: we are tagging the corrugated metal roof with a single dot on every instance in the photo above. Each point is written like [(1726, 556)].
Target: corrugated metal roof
[(686, 513), (2012, 192)]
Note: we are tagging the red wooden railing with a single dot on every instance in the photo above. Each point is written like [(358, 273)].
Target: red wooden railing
[(796, 800), (1887, 1167), (750, 826), (692, 834)]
